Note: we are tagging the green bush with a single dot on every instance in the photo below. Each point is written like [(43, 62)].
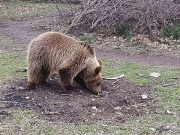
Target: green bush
[(87, 37), (172, 30), (123, 29)]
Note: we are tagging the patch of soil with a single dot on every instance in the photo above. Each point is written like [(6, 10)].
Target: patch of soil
[(153, 60), (121, 100)]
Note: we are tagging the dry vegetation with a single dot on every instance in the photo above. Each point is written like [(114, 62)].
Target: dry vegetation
[(143, 16)]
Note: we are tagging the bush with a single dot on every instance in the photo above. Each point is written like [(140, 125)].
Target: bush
[(172, 29), (87, 37), (68, 1), (143, 16), (123, 29)]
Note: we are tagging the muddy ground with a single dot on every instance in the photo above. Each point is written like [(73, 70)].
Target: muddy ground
[(122, 99)]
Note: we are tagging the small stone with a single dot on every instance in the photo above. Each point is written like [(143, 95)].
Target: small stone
[(27, 97), (144, 96), (117, 108), (168, 112), (40, 105), (119, 113), (166, 128), (93, 99), (4, 112), (21, 88), (154, 74), (152, 129), (94, 108)]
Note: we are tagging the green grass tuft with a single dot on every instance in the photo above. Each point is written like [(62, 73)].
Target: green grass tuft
[(10, 63), (20, 9), (140, 74)]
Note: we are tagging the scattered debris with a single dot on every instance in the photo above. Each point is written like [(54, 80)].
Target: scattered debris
[(171, 113), (27, 97), (9, 94), (94, 108), (4, 112), (119, 113), (114, 83), (51, 113), (144, 96), (166, 128), (117, 108), (22, 70), (110, 104), (21, 88), (152, 129), (114, 78), (154, 74)]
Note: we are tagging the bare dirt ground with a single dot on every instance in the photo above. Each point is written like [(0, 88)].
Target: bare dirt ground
[(121, 101)]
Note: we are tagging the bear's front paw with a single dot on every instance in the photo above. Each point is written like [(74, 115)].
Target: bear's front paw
[(72, 90), (44, 83)]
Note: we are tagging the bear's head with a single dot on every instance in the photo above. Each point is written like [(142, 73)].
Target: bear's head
[(92, 77)]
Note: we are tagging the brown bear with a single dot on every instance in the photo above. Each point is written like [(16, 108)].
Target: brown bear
[(54, 51)]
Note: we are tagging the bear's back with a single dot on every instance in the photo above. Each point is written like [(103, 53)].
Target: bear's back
[(54, 39), (58, 50)]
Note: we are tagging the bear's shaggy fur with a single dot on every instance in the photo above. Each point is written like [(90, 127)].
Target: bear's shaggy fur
[(53, 51)]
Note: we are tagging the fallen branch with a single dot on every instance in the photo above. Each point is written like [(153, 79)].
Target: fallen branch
[(22, 70), (114, 78), (115, 81), (51, 113), (110, 104)]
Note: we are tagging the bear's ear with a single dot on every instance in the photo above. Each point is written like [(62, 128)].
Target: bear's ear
[(100, 63), (98, 70)]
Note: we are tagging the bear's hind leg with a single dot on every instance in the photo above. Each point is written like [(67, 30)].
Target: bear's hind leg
[(31, 85), (37, 75)]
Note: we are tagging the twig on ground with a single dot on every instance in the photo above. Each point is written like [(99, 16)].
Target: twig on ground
[(114, 78), (51, 113), (115, 81), (142, 75), (66, 95), (8, 94), (110, 104), (174, 78)]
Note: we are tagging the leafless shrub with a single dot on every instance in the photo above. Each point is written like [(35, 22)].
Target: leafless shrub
[(144, 16), (68, 1)]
